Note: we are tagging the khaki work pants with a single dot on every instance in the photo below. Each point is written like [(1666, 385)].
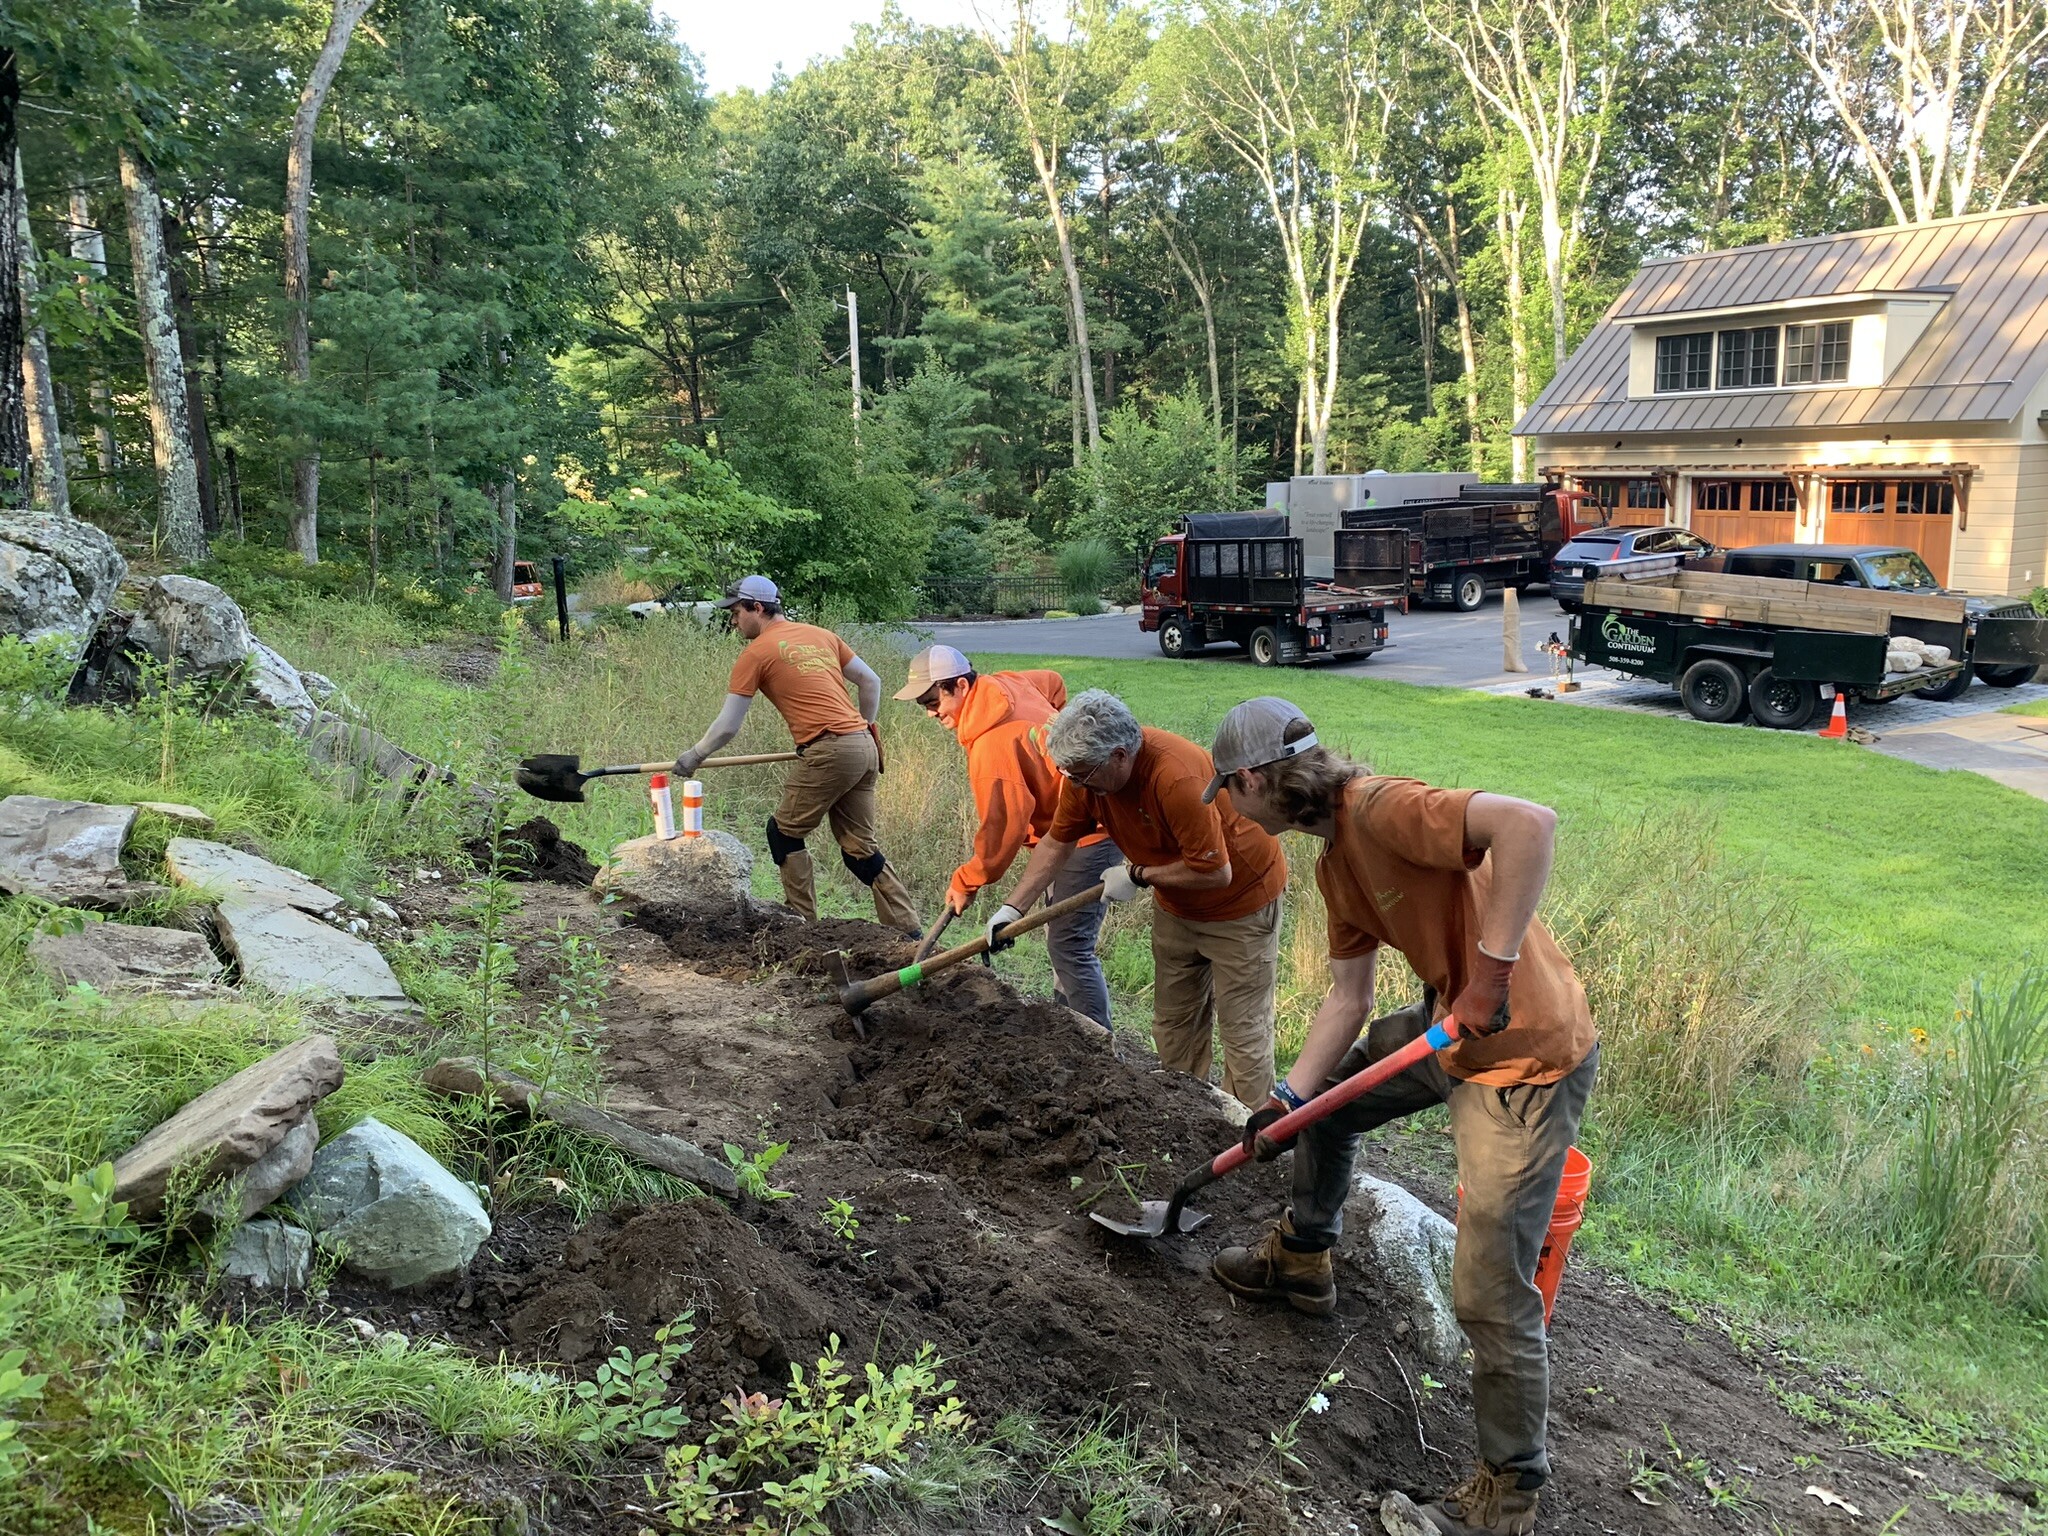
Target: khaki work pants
[(1223, 972), (834, 779), (1511, 1144)]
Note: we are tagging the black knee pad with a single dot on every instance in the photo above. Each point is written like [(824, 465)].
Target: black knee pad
[(780, 844), (867, 870)]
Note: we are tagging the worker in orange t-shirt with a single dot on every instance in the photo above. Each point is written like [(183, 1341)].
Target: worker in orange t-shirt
[(1000, 721), (1449, 880), (1216, 880), (804, 671)]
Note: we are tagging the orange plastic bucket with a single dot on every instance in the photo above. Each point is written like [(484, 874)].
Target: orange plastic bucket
[(1565, 1217)]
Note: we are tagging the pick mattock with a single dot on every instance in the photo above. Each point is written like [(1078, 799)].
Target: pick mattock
[(560, 776), (1157, 1218), (857, 996)]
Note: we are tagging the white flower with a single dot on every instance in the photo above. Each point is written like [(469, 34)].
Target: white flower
[(1318, 1404)]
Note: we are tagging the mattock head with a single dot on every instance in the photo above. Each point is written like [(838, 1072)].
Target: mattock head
[(835, 965)]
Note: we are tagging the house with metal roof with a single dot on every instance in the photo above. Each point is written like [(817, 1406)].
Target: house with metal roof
[(1888, 386)]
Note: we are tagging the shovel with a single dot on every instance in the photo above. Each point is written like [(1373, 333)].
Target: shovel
[(1157, 1218), (931, 934), (856, 996), (560, 776)]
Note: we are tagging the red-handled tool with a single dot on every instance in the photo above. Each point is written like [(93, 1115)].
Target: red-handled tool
[(1156, 1218)]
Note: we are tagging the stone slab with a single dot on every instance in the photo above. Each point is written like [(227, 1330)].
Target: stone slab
[(62, 850), (243, 876), (284, 950), (185, 815), (122, 957), (232, 1125)]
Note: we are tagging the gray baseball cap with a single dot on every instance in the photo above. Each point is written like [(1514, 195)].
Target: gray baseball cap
[(752, 589), (1252, 735)]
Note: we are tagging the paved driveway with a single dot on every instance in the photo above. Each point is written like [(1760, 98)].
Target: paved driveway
[(1426, 645)]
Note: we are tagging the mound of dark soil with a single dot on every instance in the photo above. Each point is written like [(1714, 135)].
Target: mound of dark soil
[(535, 850)]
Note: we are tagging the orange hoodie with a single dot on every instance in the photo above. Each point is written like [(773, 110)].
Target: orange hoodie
[(1016, 787)]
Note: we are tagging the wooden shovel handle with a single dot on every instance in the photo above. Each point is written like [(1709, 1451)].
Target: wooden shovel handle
[(711, 762), (860, 994)]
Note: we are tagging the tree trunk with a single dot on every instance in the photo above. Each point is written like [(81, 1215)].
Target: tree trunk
[(17, 461), (45, 435), (1509, 213), (1198, 280), (1077, 305), (176, 479), (508, 534), (298, 204), (195, 393), (90, 246), (1468, 349)]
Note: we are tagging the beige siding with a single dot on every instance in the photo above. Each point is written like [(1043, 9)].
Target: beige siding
[(2029, 565)]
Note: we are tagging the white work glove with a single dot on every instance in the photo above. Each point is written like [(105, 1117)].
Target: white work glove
[(689, 762), (1117, 884), (1004, 915)]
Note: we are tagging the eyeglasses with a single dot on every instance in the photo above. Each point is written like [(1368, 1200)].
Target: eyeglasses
[(1086, 777)]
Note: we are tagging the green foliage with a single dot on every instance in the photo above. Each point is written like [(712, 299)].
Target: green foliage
[(780, 1464), (34, 670), (840, 1219), (94, 1210), (624, 1399), (752, 1168), (1087, 567), (1150, 472)]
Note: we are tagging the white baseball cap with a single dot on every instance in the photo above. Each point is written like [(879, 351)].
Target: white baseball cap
[(1253, 735), (933, 664), (751, 589)]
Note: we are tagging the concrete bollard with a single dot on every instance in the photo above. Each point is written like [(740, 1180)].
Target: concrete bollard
[(1511, 632)]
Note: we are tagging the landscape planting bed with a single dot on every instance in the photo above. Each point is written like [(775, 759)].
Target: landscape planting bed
[(969, 1133)]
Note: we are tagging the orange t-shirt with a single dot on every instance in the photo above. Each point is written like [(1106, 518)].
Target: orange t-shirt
[(1158, 818), (799, 667), (1399, 871)]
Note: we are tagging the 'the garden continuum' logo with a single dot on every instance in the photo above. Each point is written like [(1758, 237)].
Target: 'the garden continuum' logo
[(1620, 637)]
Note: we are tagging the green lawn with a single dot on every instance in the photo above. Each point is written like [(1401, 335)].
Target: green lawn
[(1916, 880)]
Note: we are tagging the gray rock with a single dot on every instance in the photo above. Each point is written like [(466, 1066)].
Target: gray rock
[(270, 1255), (283, 949), (57, 577), (62, 850), (121, 957), (184, 815), (1389, 1231), (397, 1216), (334, 743), (192, 626), (232, 1125), (268, 1177), (710, 871), (275, 684), (244, 877)]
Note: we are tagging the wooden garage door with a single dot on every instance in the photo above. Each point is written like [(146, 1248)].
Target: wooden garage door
[(1626, 503), (1919, 514), (1737, 513)]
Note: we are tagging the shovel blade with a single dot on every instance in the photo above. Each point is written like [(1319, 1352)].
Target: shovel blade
[(552, 776), (842, 982), (1151, 1220)]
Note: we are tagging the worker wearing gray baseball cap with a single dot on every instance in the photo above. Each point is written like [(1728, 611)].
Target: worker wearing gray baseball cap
[(1451, 880)]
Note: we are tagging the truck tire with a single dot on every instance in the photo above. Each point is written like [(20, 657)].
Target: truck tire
[(1177, 638), (1468, 591), (1263, 646), (1780, 703), (2007, 677), (1714, 691), (1943, 693)]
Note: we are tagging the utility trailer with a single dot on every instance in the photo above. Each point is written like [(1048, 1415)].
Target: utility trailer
[(1773, 649), (1485, 537), (1238, 577)]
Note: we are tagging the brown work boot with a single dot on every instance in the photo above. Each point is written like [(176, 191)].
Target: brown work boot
[(1488, 1503), (1271, 1271)]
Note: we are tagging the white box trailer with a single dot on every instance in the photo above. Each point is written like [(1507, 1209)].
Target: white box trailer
[(1315, 505)]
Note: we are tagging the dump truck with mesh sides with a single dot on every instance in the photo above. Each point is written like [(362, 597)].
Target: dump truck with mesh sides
[(1237, 577)]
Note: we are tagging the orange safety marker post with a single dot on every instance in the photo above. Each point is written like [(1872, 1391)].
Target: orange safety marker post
[(693, 808)]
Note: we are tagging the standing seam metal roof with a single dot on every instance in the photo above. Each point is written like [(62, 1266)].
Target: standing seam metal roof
[(1979, 359)]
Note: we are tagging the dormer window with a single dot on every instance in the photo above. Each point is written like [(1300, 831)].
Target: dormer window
[(1685, 362), (1817, 354), (1749, 358)]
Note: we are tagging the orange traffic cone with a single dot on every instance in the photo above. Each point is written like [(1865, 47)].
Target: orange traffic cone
[(1837, 728)]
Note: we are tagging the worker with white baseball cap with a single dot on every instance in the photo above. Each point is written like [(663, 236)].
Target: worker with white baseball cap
[(804, 670), (1000, 722), (1450, 879)]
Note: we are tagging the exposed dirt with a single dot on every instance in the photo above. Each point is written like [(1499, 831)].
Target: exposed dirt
[(970, 1132), (535, 850)]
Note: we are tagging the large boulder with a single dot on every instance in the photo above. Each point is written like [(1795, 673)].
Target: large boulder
[(275, 684), (710, 873), (63, 850), (1409, 1246), (269, 1255), (397, 1216), (192, 627), (231, 1126), (57, 577), (123, 957)]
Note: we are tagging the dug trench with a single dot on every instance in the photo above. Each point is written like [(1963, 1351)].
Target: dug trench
[(969, 1134)]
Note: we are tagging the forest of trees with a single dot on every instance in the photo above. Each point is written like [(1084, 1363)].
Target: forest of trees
[(406, 284)]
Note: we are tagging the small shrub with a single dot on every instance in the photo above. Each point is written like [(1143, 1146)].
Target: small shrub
[(1086, 567)]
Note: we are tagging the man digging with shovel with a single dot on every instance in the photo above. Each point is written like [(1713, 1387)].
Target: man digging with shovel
[(804, 671), (1451, 880), (1000, 722), (1216, 883)]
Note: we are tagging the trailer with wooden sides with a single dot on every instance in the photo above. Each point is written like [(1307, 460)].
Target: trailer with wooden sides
[(1774, 649)]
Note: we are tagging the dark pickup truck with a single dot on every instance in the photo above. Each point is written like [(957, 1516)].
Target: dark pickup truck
[(1237, 576)]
